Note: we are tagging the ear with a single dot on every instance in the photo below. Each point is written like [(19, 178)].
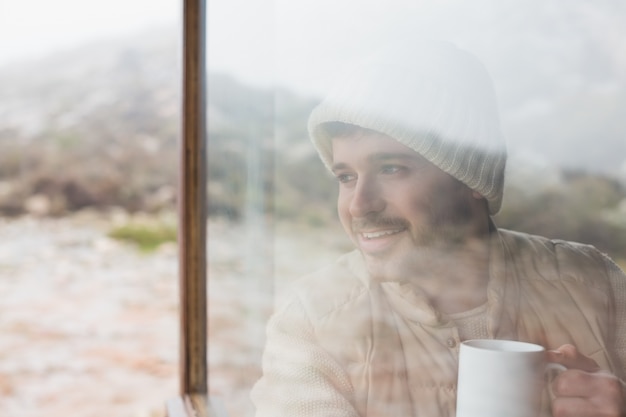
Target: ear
[(477, 195)]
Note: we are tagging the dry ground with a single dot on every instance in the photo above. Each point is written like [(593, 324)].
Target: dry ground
[(89, 325)]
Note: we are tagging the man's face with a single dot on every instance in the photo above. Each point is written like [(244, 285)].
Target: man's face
[(397, 207)]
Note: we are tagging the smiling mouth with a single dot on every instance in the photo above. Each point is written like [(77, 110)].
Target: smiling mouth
[(380, 233)]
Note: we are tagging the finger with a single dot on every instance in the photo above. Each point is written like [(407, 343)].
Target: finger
[(573, 383), (570, 407), (601, 391), (571, 358), (577, 406)]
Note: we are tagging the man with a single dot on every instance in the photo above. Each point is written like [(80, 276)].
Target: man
[(413, 138)]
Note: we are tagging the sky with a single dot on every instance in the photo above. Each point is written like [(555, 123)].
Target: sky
[(263, 42), (239, 30), (297, 42), (31, 29), (301, 44)]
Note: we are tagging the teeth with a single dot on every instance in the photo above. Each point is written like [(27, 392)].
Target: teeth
[(374, 235)]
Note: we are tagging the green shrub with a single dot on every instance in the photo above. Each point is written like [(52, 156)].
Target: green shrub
[(147, 236)]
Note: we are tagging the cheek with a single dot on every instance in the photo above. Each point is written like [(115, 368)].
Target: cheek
[(341, 201), (414, 203), (343, 211)]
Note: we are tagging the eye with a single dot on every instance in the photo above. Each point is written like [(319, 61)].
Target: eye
[(391, 169), (345, 178)]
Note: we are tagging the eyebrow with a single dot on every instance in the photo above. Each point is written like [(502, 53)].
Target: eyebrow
[(377, 158), (383, 156)]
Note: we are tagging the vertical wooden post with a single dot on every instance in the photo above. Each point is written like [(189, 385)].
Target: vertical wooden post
[(192, 232), (192, 205)]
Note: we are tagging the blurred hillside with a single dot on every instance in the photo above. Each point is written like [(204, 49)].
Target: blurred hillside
[(92, 127), (99, 127)]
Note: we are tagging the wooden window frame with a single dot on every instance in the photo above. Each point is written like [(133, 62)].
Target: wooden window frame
[(193, 400)]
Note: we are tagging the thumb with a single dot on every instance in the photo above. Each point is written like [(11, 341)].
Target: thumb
[(568, 356)]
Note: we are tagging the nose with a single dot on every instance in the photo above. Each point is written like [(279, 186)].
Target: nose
[(366, 199)]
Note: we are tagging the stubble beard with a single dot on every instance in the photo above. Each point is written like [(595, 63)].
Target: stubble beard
[(445, 231)]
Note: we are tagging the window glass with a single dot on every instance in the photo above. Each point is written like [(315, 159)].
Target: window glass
[(558, 72)]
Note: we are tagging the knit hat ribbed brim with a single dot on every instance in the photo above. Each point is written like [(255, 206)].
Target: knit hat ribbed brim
[(434, 98)]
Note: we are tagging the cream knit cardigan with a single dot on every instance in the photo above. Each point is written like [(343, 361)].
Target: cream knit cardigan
[(343, 346)]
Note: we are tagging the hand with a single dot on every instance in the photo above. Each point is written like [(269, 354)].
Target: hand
[(584, 389)]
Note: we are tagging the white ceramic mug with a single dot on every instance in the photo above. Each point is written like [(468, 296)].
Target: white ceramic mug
[(501, 378)]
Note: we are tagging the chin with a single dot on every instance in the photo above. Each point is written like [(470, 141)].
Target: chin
[(387, 269)]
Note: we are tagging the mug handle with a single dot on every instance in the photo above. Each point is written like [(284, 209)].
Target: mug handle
[(551, 372)]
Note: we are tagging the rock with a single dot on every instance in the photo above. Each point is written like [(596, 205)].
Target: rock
[(38, 205)]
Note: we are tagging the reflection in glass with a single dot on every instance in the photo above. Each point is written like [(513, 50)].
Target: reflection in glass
[(558, 75)]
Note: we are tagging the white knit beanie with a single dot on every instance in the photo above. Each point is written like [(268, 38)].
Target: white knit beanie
[(432, 97)]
